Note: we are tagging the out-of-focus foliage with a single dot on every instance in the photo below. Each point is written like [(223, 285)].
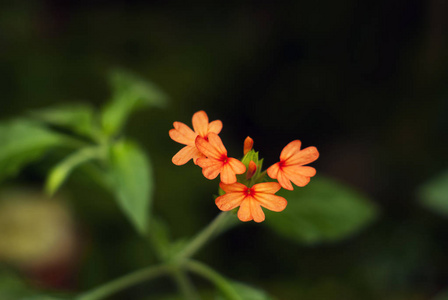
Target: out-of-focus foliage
[(247, 292), (442, 296), (62, 170), (78, 118), (34, 230), (323, 211), (22, 142), (119, 164), (132, 182), (363, 81), (434, 194), (12, 287), (129, 94)]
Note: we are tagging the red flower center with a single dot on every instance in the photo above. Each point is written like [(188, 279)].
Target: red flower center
[(249, 192), (224, 159), (281, 164)]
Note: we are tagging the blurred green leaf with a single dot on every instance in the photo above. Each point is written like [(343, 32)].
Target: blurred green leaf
[(322, 211), (166, 247), (78, 118), (160, 232), (442, 296), (61, 171), (434, 194), (22, 142), (132, 182), (44, 297), (12, 287), (130, 93), (247, 292)]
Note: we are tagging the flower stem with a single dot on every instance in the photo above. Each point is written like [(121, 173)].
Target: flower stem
[(121, 283), (184, 285), (216, 226), (175, 268), (220, 282)]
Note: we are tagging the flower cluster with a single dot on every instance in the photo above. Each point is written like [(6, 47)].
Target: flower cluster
[(242, 182)]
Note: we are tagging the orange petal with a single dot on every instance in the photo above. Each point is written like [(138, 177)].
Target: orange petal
[(229, 201), (271, 202), (233, 188), (215, 127), (290, 149), (182, 134), (237, 166), (200, 123), (298, 170), (256, 211), (284, 181), (185, 154), (273, 170), (197, 156), (213, 148), (248, 144), (299, 175), (251, 170), (210, 167), (266, 187), (300, 180), (227, 174), (244, 211), (303, 157), (306, 171), (216, 142)]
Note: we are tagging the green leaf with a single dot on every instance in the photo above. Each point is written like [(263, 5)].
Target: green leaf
[(247, 292), (132, 182), (161, 235), (434, 194), (61, 171), (442, 296), (322, 211), (22, 142), (129, 94), (78, 118), (223, 284), (166, 248), (12, 287), (44, 297)]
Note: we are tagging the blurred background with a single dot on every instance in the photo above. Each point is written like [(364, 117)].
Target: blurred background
[(363, 81)]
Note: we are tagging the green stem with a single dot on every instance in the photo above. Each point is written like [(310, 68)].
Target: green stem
[(61, 171), (179, 276), (220, 282), (124, 282), (73, 142), (216, 226), (219, 224), (185, 286)]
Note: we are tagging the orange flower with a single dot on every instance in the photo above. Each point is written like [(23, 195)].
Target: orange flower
[(248, 144), (290, 167), (184, 135), (251, 199), (217, 160), (251, 170)]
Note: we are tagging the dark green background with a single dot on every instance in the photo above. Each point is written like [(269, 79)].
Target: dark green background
[(363, 81)]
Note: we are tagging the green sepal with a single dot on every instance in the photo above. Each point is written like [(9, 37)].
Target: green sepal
[(258, 176)]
